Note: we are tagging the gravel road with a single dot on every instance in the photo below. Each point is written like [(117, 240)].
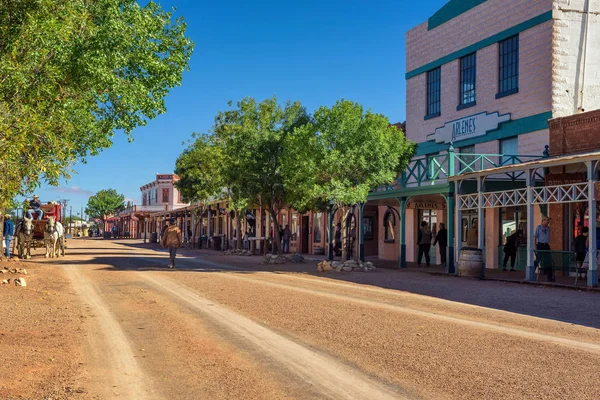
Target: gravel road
[(227, 328)]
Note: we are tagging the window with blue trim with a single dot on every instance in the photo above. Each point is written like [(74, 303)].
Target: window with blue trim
[(434, 78), (509, 67), (468, 72), (509, 147)]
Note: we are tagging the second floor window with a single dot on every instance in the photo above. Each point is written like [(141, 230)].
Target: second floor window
[(468, 69), (434, 78), (508, 67), (165, 195), (509, 147)]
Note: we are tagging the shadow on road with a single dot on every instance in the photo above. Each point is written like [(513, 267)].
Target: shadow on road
[(577, 307)]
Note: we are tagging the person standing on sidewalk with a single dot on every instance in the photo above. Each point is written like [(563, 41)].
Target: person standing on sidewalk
[(510, 249), (424, 243), (442, 239), (9, 231), (286, 234), (580, 246), (172, 240), (542, 243)]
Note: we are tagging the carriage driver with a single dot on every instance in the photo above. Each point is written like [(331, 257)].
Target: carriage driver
[(35, 206)]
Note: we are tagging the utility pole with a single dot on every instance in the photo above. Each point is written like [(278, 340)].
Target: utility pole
[(71, 220), (63, 203)]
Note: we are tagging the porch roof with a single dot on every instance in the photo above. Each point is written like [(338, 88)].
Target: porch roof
[(543, 163)]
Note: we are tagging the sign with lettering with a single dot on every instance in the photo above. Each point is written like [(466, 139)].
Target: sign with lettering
[(597, 190), (563, 179), (468, 127), (164, 177), (427, 205)]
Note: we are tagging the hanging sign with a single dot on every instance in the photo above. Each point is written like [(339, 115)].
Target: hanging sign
[(468, 127), (427, 205)]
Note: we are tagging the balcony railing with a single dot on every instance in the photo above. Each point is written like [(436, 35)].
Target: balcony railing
[(434, 170)]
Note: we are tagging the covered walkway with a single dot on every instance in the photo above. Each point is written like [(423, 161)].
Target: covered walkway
[(530, 195)]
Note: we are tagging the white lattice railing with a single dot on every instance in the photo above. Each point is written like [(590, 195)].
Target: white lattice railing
[(570, 193), (468, 201), (561, 194)]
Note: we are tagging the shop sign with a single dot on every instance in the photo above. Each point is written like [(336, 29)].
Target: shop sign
[(468, 127), (596, 190), (164, 177), (427, 205), (563, 179)]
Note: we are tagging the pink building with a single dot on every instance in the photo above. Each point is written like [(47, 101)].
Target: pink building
[(158, 195), (483, 78), (162, 191)]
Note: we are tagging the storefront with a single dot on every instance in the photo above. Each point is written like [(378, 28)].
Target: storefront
[(571, 206)]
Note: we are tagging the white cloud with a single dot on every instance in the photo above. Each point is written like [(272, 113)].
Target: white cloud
[(71, 190)]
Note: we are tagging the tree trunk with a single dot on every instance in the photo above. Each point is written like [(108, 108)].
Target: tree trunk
[(276, 235), (238, 226), (343, 212)]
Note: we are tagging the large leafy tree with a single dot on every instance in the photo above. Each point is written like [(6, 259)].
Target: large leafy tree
[(74, 72), (232, 134), (272, 124), (105, 203), (341, 155), (198, 168)]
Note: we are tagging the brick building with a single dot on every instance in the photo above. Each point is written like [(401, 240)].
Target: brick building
[(575, 134), (483, 78)]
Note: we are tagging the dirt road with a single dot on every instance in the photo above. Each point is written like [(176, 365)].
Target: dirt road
[(227, 328)]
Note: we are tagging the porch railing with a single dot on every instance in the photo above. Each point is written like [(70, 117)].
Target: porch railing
[(435, 169)]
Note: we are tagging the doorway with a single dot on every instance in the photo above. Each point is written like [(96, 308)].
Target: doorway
[(305, 234), (430, 216)]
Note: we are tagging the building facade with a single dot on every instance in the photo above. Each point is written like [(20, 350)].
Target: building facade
[(162, 191), (483, 78)]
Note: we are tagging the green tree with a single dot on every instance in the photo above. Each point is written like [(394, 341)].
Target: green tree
[(266, 131), (74, 72), (232, 133), (341, 155), (198, 168), (105, 203)]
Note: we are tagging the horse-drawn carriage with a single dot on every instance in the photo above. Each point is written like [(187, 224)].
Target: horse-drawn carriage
[(47, 232)]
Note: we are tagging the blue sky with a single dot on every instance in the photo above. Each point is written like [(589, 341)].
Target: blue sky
[(312, 51)]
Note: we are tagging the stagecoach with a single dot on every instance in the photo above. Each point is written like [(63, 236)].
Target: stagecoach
[(36, 238)]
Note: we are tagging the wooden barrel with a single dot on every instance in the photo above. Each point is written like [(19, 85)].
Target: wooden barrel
[(470, 262)]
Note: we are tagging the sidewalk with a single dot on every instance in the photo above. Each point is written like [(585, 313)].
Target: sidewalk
[(309, 266)]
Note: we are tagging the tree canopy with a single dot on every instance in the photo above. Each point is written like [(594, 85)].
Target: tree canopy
[(198, 170), (277, 156), (104, 203), (342, 154), (72, 73)]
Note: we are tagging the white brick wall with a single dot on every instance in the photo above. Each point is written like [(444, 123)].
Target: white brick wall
[(576, 64)]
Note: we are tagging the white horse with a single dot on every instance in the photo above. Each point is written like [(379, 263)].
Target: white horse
[(54, 235), (24, 233)]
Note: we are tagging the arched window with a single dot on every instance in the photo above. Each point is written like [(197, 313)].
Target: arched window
[(389, 224)]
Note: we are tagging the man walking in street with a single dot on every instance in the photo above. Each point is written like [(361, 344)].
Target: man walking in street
[(35, 206), (424, 243), (542, 244), (442, 239), (9, 231), (172, 240), (286, 239)]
